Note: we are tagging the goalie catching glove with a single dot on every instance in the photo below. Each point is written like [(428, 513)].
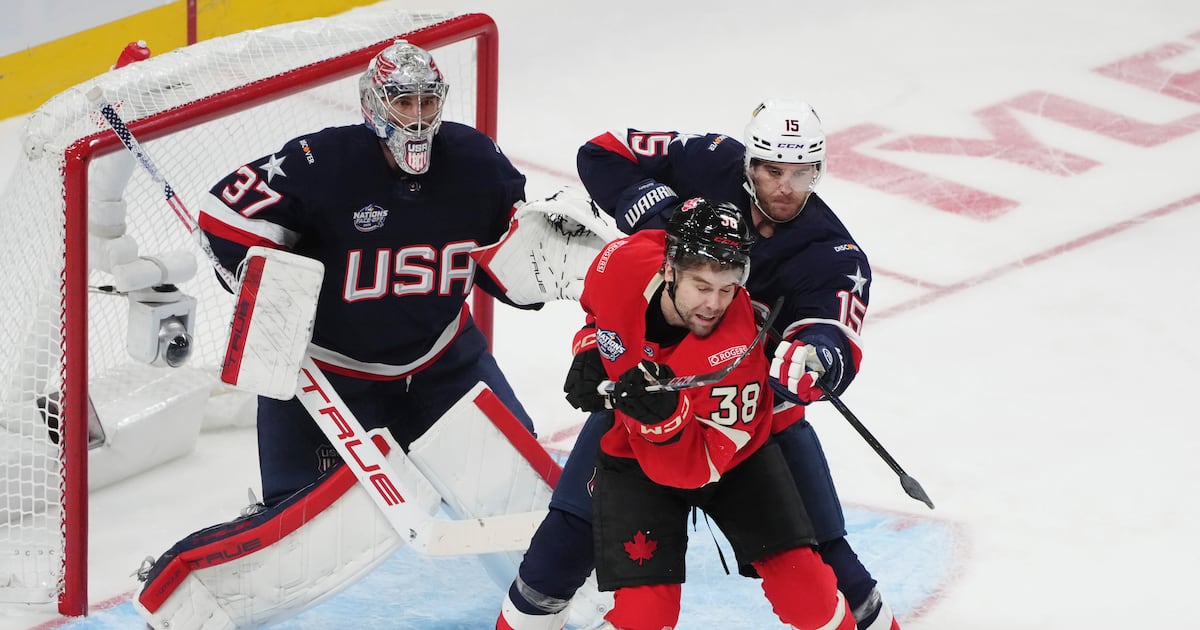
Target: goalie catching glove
[(549, 245)]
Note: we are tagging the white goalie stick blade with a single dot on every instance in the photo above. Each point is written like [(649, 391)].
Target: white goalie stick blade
[(486, 464), (365, 453), (272, 322), (505, 532), (708, 378)]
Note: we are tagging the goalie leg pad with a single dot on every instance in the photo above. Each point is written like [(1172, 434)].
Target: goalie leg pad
[(483, 462), (270, 565)]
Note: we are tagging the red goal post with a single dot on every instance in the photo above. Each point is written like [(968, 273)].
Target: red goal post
[(199, 111)]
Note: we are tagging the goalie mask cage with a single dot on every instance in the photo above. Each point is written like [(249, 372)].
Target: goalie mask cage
[(200, 112)]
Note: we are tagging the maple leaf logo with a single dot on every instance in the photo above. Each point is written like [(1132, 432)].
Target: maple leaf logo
[(640, 549)]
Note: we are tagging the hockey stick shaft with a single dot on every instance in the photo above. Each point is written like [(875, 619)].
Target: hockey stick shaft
[(433, 536), (680, 383), (125, 135), (911, 486)]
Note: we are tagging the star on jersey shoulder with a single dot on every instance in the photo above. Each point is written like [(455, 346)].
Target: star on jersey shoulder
[(683, 138), (858, 280), (273, 166)]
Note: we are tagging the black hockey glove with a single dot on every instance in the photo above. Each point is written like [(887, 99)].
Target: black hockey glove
[(629, 394), (583, 379)]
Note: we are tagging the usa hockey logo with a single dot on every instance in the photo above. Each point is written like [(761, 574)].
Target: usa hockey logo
[(609, 344), (327, 458), (370, 218)]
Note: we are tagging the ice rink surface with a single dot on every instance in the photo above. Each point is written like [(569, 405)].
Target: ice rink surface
[(1023, 177)]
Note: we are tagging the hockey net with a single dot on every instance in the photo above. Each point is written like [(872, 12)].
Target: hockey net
[(199, 112)]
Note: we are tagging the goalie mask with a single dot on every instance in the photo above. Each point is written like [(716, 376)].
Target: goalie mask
[(785, 157), (702, 231), (402, 93)]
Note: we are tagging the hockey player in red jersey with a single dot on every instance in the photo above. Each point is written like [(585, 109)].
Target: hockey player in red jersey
[(666, 303), (803, 254)]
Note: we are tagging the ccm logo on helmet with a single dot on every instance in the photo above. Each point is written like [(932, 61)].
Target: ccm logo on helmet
[(722, 240)]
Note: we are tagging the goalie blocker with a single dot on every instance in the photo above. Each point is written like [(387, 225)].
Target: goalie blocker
[(272, 321), (270, 564)]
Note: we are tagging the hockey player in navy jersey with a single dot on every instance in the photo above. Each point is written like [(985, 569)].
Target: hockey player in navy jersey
[(392, 209), (803, 253)]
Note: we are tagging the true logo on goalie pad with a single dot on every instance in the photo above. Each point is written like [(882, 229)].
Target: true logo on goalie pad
[(362, 455), (239, 326)]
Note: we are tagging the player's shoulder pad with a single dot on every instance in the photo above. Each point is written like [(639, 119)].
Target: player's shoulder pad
[(715, 143), (331, 142), (458, 138), (709, 157), (469, 148), (329, 149)]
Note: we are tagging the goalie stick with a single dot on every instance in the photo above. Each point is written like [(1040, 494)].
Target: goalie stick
[(366, 454), (433, 536), (708, 378), (96, 96)]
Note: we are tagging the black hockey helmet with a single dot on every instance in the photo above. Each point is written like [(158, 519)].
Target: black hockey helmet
[(700, 228)]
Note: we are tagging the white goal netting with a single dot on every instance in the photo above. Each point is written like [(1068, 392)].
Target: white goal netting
[(188, 109)]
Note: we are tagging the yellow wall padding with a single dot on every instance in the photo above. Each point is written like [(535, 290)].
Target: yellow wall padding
[(30, 77), (223, 17)]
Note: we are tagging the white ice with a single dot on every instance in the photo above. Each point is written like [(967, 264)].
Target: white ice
[(1032, 371)]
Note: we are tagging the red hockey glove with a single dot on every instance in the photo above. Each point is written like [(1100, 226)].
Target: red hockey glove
[(797, 368)]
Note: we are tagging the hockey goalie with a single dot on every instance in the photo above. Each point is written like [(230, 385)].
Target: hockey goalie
[(380, 405), (478, 464)]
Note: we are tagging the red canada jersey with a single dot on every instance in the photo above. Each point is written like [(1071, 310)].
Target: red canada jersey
[(715, 427)]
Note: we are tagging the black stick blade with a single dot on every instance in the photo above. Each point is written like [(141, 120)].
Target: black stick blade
[(914, 490)]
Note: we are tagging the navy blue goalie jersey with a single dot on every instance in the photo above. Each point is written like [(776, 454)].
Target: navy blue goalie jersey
[(395, 246)]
